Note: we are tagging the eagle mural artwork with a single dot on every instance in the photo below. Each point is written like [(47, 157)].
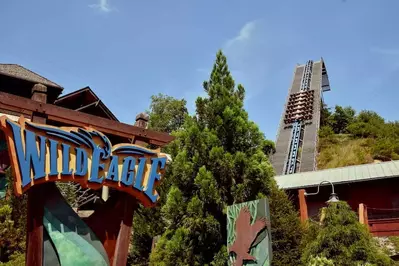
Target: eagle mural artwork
[(249, 235)]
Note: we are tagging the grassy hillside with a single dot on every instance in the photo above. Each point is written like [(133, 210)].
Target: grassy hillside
[(347, 138), (343, 150)]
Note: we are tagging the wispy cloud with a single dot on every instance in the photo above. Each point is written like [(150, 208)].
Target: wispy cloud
[(244, 35), (385, 51), (102, 6), (246, 57)]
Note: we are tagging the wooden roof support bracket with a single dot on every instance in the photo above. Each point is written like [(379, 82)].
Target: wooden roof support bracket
[(78, 119)]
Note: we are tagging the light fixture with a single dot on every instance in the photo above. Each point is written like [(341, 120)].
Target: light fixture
[(333, 198), (333, 195)]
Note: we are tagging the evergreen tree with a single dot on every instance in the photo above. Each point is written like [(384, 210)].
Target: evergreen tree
[(12, 224), (218, 160), (167, 114), (286, 229), (343, 240), (341, 118)]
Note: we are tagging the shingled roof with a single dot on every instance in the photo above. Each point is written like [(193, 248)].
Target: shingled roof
[(19, 72)]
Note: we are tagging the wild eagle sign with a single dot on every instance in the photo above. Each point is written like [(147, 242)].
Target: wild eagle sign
[(42, 153)]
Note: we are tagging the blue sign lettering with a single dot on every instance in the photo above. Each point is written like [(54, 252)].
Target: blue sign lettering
[(42, 153)]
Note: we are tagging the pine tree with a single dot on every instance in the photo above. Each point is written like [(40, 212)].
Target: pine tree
[(167, 114), (218, 160), (343, 240), (286, 229), (12, 224)]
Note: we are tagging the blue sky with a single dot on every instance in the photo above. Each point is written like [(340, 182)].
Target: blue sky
[(128, 50)]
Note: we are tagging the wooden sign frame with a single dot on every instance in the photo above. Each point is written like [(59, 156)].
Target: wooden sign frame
[(43, 153), (112, 222)]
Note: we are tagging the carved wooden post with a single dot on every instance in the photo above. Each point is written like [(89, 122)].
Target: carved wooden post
[(303, 208), (34, 236), (142, 120)]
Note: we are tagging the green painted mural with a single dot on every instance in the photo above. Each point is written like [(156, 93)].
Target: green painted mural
[(68, 241), (248, 233)]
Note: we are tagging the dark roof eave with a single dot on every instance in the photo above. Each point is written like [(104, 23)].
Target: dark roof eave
[(100, 104), (68, 95), (107, 111)]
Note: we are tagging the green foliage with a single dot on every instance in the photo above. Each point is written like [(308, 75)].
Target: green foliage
[(342, 150), (269, 147), (286, 229), (320, 261), (167, 114), (326, 132), (16, 259), (325, 115), (12, 224), (367, 137), (69, 192), (395, 241), (341, 118), (343, 240), (219, 160)]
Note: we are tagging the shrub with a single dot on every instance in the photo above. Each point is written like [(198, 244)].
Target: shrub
[(326, 132), (343, 240)]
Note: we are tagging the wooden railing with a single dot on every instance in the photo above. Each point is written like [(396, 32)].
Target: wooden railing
[(384, 224)]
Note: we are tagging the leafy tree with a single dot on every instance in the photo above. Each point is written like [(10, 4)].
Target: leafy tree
[(343, 240), (381, 138), (325, 116), (167, 114), (219, 160), (16, 259), (12, 224), (370, 117), (269, 148), (363, 130), (320, 261), (286, 229), (341, 118), (326, 132)]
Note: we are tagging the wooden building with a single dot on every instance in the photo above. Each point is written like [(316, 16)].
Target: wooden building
[(25, 93), (370, 189)]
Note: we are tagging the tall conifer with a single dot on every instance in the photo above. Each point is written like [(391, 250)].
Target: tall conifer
[(218, 160)]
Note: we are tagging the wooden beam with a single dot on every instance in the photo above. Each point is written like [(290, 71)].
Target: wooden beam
[(88, 105), (34, 237), (361, 213), (112, 223), (303, 207), (130, 205), (123, 240), (79, 119)]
